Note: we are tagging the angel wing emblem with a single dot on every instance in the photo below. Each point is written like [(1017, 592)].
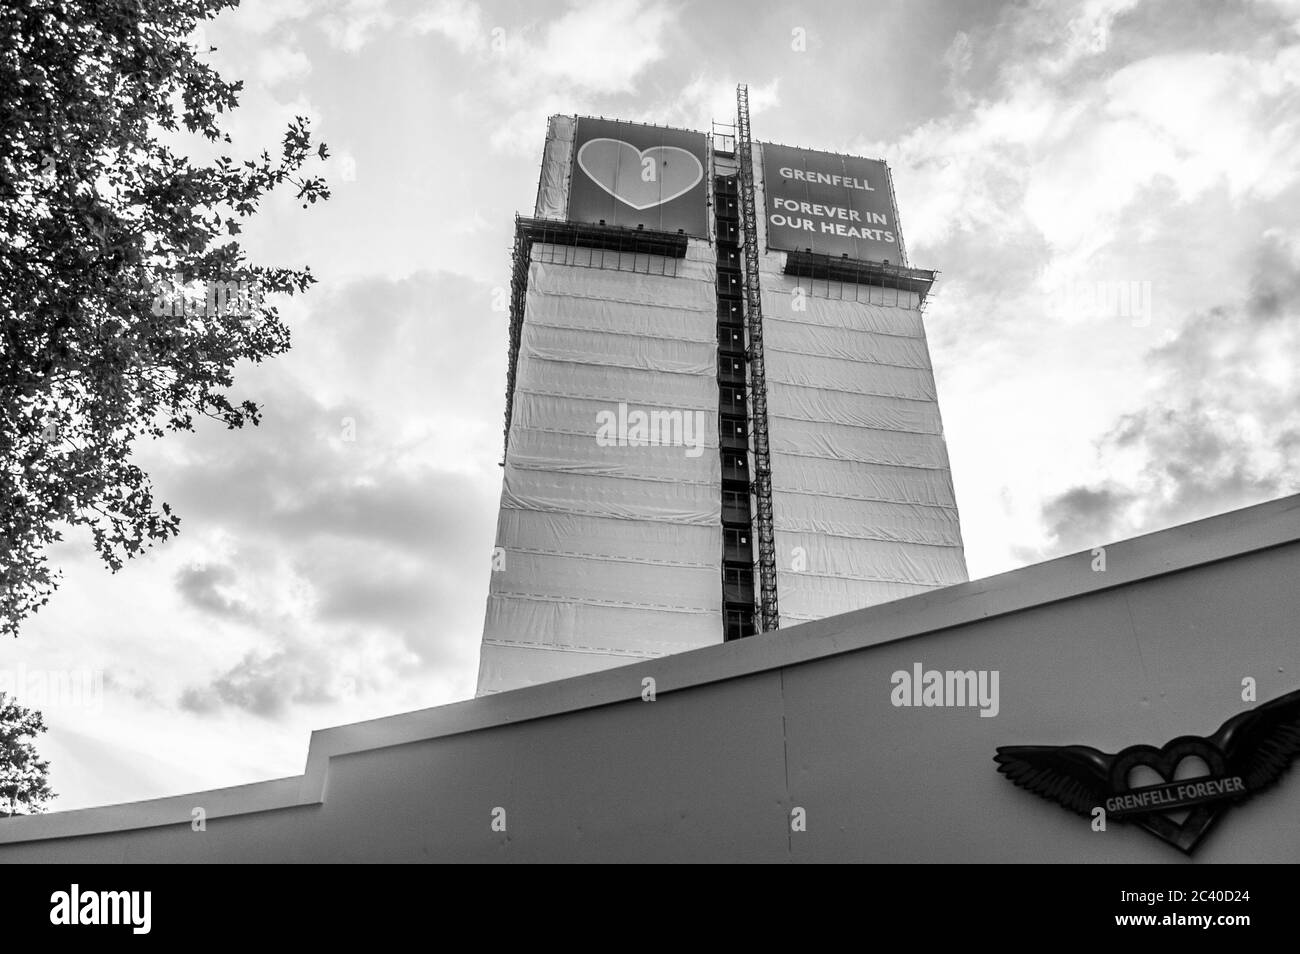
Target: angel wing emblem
[(1199, 778)]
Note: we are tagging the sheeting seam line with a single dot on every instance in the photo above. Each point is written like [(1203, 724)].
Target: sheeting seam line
[(662, 480), (572, 647), (880, 500), (928, 584), (861, 427), (861, 536), (840, 357), (868, 463), (849, 329), (823, 387), (607, 558), (892, 397), (587, 329), (671, 521), (857, 460), (658, 306), (525, 428), (604, 362), (706, 282), (594, 601), (833, 357), (605, 400)]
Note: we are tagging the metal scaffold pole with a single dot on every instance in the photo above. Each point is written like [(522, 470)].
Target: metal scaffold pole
[(769, 615)]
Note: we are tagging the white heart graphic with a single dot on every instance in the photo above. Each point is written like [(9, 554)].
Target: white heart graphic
[(615, 166)]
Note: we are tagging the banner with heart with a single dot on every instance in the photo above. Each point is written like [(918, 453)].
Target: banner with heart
[(635, 176), (641, 178)]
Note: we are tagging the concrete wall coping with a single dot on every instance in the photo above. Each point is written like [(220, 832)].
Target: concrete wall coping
[(1222, 537)]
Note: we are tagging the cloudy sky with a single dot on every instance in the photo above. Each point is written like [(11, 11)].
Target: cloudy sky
[(1111, 191)]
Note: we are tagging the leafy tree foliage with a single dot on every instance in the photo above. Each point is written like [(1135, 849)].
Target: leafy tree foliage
[(24, 786), (125, 297)]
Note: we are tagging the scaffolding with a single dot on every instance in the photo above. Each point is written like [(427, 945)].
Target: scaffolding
[(836, 277), (769, 615)]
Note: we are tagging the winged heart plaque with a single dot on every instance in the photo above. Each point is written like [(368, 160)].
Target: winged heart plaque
[(1177, 791)]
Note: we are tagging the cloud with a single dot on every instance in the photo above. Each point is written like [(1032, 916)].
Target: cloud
[(1099, 148), (1217, 117), (1063, 151), (531, 70), (1082, 517), (369, 595), (1221, 427), (1086, 34), (708, 97), (460, 21), (342, 534), (958, 56), (348, 25), (957, 59), (324, 623), (351, 24), (204, 587), (299, 480), (280, 63), (599, 48), (267, 684), (264, 16)]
